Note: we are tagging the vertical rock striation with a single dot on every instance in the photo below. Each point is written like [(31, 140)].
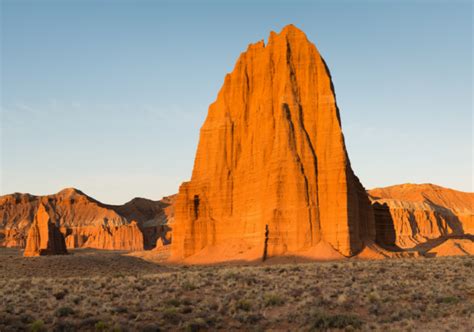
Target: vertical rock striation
[(125, 237), (86, 222), (408, 215), (271, 155)]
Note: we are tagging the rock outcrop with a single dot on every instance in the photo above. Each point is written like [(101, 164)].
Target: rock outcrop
[(125, 237), (44, 238), (86, 222), (408, 215), (159, 244), (152, 216), (271, 172)]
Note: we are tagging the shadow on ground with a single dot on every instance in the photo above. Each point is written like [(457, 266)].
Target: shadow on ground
[(79, 263)]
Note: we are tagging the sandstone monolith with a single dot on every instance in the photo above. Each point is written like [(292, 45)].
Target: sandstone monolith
[(44, 238), (271, 174)]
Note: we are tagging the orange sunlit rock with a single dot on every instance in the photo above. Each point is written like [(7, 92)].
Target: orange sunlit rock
[(44, 238), (124, 237), (409, 214), (86, 222), (453, 247), (271, 172)]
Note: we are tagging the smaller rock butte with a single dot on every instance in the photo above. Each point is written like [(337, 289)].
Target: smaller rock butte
[(44, 238)]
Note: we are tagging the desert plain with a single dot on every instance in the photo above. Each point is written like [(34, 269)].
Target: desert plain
[(94, 290)]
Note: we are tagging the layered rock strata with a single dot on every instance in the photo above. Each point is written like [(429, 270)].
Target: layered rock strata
[(86, 222), (408, 215)]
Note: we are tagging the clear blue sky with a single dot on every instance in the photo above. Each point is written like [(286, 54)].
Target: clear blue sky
[(109, 96)]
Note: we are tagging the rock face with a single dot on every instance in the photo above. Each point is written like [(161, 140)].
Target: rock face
[(86, 222), (271, 172), (44, 238), (125, 237), (152, 217), (408, 215)]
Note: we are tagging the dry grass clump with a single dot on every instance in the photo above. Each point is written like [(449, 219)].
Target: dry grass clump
[(403, 294)]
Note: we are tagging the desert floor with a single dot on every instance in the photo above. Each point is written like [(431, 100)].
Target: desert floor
[(105, 291)]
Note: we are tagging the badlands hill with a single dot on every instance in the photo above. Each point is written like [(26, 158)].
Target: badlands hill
[(409, 215), (426, 218), (86, 222)]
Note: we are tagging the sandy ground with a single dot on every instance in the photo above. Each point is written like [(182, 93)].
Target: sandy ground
[(106, 291)]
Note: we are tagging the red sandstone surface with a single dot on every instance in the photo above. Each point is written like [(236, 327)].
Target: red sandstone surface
[(86, 222), (272, 175)]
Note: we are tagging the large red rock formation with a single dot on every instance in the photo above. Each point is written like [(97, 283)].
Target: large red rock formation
[(409, 214), (86, 222), (44, 238), (271, 172)]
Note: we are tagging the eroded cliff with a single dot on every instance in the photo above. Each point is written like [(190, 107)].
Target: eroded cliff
[(86, 222), (408, 215)]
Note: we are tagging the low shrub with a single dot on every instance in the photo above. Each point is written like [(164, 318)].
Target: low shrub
[(100, 326), (323, 321), (171, 315), (64, 312), (273, 299), (37, 326), (244, 305), (196, 325)]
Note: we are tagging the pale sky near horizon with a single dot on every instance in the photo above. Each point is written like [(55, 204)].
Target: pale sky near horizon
[(108, 96)]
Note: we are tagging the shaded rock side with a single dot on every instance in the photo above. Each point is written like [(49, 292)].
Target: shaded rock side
[(152, 216), (271, 154), (44, 238), (408, 215)]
